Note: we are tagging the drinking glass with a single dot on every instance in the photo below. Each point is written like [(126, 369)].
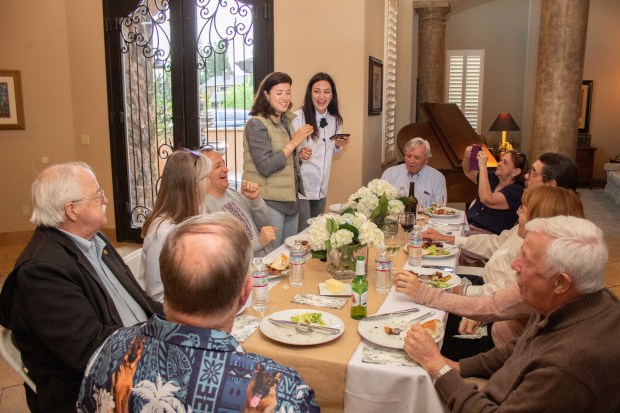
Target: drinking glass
[(406, 221), (438, 202)]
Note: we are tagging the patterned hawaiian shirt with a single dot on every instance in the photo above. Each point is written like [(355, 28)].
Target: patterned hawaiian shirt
[(163, 366)]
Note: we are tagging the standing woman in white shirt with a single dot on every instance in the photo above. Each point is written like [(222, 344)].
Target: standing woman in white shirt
[(320, 109)]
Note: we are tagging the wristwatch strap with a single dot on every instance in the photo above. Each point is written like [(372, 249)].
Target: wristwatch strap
[(444, 370)]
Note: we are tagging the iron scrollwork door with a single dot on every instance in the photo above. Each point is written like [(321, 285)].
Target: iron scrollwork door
[(180, 74)]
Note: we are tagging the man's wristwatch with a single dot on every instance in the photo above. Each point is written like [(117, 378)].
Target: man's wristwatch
[(444, 370)]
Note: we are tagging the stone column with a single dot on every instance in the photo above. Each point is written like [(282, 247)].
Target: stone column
[(432, 15), (561, 50)]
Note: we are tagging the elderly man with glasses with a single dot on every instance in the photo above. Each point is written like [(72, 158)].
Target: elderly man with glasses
[(69, 289)]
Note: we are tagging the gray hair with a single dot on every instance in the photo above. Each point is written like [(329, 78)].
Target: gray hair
[(577, 247), (53, 189), (213, 285), (415, 142)]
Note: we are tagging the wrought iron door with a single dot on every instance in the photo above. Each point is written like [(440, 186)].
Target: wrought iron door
[(181, 73)]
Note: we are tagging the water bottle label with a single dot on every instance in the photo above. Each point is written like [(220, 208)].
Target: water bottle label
[(297, 259), (383, 265), (260, 280)]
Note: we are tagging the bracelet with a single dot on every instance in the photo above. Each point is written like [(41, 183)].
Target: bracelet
[(290, 147)]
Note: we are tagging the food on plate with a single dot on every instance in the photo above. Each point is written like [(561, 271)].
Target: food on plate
[(334, 286), (308, 318), (279, 264), (437, 280), (390, 331), (434, 327), (434, 249), (441, 211)]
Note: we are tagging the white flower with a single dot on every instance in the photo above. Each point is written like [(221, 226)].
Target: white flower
[(341, 237), (395, 207)]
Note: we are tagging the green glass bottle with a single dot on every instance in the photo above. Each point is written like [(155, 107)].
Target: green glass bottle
[(359, 287)]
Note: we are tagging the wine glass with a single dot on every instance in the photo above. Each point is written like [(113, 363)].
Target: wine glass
[(406, 221), (438, 202)]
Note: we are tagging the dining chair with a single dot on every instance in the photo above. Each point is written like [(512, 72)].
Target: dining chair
[(13, 356)]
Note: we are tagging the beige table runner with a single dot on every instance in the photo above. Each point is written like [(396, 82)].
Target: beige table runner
[(322, 366)]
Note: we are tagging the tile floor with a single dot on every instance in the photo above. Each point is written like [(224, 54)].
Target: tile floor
[(598, 209)]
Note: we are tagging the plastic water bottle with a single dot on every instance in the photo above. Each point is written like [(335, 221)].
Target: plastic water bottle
[(415, 247), (383, 266), (260, 290), (296, 272), (359, 287)]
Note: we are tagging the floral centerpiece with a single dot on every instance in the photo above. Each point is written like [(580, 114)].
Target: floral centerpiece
[(338, 237), (376, 201)]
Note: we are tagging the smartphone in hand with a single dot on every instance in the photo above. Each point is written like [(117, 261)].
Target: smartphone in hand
[(340, 136), (473, 158)]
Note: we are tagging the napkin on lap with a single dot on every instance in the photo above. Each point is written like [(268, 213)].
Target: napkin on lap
[(319, 301)]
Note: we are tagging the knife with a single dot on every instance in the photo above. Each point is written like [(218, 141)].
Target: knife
[(439, 267), (304, 326), (377, 316), (422, 317)]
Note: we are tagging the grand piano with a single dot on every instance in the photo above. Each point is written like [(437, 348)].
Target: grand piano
[(449, 133)]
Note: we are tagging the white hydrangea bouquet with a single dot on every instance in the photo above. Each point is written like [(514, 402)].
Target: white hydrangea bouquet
[(376, 201), (338, 237)]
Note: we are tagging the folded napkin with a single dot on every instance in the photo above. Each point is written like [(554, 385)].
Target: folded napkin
[(480, 332), (244, 326), (319, 301), (386, 356)]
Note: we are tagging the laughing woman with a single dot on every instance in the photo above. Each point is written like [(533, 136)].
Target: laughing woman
[(269, 153), (320, 109)]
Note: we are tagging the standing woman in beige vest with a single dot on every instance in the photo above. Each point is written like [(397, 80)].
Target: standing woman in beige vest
[(270, 157)]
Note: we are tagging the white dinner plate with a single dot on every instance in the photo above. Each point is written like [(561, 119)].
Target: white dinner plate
[(290, 241), (289, 335), (336, 207), (457, 213), (324, 291), (452, 250), (373, 330), (454, 281)]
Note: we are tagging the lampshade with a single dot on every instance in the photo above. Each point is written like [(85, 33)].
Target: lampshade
[(504, 122)]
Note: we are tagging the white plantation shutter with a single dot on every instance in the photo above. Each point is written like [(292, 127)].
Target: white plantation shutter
[(464, 79), (388, 152)]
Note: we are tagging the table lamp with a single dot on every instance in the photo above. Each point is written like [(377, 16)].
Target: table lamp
[(503, 123)]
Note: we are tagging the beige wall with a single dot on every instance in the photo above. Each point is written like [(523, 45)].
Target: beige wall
[(602, 65), (59, 51)]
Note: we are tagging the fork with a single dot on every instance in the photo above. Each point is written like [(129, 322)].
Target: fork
[(413, 320)]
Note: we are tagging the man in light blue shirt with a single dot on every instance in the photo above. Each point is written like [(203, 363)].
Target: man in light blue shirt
[(429, 182)]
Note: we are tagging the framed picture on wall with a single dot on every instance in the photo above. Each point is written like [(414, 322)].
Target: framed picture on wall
[(375, 86), (11, 105), (585, 102)]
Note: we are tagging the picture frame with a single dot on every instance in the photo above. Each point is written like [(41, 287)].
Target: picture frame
[(11, 103), (585, 104), (375, 86)]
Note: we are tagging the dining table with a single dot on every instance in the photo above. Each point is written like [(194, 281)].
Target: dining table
[(335, 369)]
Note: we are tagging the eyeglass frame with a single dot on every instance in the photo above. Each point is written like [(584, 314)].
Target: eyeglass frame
[(101, 196), (195, 154), (535, 173)]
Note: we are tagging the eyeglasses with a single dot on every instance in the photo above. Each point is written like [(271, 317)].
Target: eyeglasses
[(532, 172), (100, 195), (195, 154)]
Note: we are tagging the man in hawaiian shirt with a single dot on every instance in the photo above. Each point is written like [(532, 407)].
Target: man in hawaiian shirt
[(190, 360)]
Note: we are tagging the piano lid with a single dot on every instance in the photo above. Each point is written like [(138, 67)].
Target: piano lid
[(447, 128)]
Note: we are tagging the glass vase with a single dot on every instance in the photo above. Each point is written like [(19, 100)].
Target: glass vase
[(341, 261)]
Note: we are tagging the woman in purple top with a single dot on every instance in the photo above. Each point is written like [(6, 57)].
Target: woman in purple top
[(499, 192)]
